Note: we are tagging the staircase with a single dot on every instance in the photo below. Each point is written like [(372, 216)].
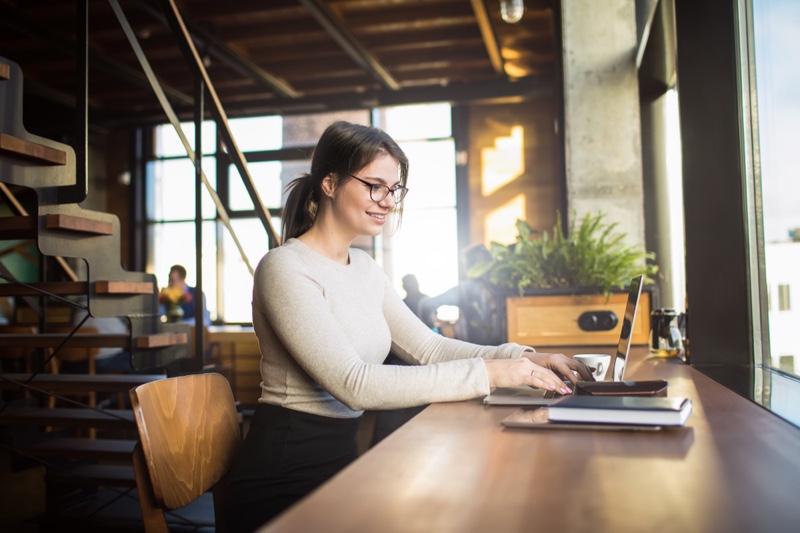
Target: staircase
[(33, 432)]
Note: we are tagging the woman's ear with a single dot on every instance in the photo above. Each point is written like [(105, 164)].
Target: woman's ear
[(328, 186)]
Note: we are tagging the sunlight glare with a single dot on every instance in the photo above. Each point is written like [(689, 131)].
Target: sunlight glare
[(503, 162), (501, 223)]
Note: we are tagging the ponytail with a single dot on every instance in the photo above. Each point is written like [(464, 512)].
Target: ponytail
[(300, 208)]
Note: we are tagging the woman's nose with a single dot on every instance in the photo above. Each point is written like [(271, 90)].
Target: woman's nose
[(388, 200)]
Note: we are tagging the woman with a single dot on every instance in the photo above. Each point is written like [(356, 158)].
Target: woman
[(326, 316)]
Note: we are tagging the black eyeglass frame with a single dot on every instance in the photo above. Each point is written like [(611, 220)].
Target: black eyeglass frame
[(374, 187)]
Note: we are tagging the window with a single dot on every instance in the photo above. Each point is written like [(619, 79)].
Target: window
[(425, 135), (278, 150), (171, 209), (776, 45)]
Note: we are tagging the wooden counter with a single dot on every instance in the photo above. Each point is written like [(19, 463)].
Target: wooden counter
[(454, 468)]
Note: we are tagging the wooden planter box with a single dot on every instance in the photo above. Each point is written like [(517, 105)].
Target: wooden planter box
[(552, 319)]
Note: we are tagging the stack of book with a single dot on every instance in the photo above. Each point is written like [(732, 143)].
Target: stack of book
[(624, 410)]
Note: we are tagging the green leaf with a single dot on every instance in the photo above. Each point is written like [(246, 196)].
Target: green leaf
[(591, 254)]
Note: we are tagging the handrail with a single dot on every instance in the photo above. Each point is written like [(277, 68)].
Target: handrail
[(196, 64), (173, 119)]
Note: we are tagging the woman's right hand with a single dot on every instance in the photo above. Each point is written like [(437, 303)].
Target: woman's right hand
[(522, 371)]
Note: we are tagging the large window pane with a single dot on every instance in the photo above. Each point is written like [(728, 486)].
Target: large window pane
[(777, 46), (267, 180), (237, 280), (173, 184), (168, 143), (291, 171), (432, 174), (427, 243), (257, 133), (425, 246), (425, 121)]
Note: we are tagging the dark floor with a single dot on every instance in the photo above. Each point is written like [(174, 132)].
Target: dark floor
[(117, 510)]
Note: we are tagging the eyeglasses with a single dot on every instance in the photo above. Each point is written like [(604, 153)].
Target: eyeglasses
[(377, 191)]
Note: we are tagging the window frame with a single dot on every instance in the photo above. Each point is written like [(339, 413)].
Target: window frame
[(224, 175), (725, 268)]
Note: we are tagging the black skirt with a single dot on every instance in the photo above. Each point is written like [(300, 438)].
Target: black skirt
[(286, 455)]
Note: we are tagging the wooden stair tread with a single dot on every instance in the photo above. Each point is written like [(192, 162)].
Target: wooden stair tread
[(60, 288), (67, 288), (81, 382), (19, 227), (95, 475), (83, 448), (160, 340), (78, 224), (52, 340), (68, 417), (31, 150), (124, 287)]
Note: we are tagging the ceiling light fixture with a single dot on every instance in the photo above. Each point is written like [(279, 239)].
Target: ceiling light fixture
[(512, 10)]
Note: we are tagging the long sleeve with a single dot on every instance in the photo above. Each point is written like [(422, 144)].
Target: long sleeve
[(324, 330)]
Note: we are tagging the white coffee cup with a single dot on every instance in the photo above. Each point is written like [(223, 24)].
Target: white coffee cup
[(598, 361)]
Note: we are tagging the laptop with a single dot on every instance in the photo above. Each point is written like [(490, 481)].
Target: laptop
[(525, 396)]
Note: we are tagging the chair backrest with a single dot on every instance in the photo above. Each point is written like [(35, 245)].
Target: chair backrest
[(189, 434)]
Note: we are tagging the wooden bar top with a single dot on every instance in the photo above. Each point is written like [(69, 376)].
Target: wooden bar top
[(734, 467)]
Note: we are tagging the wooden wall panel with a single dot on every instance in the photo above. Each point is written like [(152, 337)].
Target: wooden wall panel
[(513, 159)]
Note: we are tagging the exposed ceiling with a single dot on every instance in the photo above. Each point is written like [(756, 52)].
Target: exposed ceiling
[(285, 56)]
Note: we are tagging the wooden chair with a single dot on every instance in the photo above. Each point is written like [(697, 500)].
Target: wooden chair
[(189, 434)]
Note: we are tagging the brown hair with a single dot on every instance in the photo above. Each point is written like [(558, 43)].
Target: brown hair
[(179, 269), (342, 150)]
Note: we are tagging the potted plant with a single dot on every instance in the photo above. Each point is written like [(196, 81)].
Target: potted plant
[(546, 281)]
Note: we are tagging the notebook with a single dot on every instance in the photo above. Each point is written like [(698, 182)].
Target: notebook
[(621, 410), (524, 396)]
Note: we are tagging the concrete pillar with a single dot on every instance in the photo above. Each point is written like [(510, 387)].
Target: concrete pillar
[(664, 196), (601, 113)]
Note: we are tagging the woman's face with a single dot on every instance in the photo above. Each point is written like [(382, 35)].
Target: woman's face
[(353, 208)]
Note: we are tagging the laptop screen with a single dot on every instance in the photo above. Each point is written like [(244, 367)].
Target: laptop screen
[(618, 364)]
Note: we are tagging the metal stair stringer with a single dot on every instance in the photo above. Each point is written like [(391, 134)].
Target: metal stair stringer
[(67, 230), (98, 243)]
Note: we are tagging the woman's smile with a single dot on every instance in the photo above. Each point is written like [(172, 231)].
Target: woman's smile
[(380, 217)]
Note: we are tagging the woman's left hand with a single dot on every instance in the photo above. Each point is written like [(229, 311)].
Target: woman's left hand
[(563, 365)]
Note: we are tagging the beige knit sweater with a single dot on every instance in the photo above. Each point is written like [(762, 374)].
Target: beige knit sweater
[(324, 330)]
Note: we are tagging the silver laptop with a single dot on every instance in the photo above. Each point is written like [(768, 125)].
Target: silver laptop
[(523, 396)]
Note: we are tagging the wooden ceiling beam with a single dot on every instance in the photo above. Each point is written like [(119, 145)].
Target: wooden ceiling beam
[(489, 36), (338, 30), (221, 51), (483, 91)]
